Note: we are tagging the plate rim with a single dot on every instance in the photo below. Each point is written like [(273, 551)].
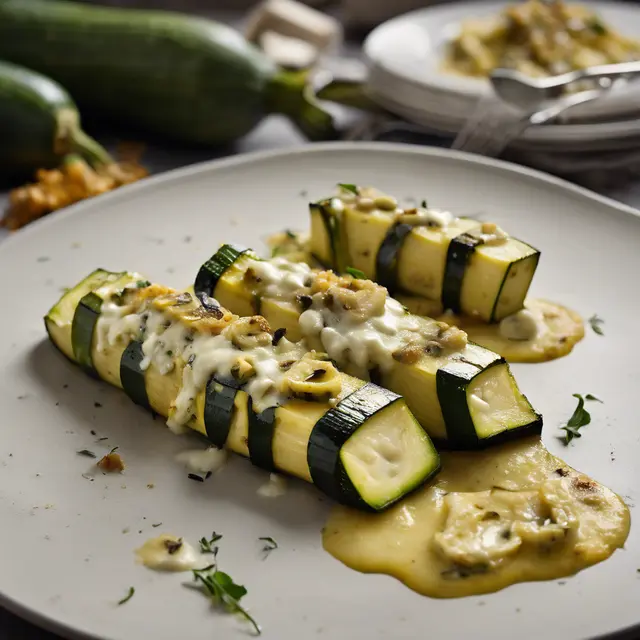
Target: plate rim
[(57, 626)]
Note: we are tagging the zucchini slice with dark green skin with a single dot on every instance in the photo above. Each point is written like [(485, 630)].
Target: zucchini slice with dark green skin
[(211, 271), (467, 426), (219, 407), (83, 328), (260, 437), (132, 376), (458, 255), (332, 224), (387, 256), (336, 474)]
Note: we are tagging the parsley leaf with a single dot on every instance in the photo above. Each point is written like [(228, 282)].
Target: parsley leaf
[(221, 588), (142, 284), (596, 323), (87, 453), (127, 597), (351, 188), (580, 418), (356, 273), (208, 546)]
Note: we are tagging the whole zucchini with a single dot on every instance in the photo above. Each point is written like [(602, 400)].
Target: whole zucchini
[(39, 123), (180, 77)]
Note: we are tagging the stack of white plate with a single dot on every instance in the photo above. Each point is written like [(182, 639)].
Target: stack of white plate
[(405, 57)]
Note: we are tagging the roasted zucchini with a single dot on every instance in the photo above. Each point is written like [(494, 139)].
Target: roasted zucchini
[(470, 266), (245, 388), (462, 394)]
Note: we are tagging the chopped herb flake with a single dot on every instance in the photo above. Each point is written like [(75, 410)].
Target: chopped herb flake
[(596, 25), (424, 204), (173, 546), (208, 546), (356, 273), (97, 405), (290, 234), (351, 188), (127, 597), (580, 418), (156, 525), (590, 396), (269, 545), (193, 476), (142, 284), (86, 453), (596, 323)]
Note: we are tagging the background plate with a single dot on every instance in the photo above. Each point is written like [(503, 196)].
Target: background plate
[(68, 542)]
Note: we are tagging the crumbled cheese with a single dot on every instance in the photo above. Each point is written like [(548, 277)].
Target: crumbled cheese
[(522, 325), (205, 461), (274, 488)]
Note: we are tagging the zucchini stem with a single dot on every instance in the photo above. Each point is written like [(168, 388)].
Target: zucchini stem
[(91, 150), (289, 93)]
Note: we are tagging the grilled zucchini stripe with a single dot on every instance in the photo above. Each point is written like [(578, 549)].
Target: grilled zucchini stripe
[(462, 394), (470, 266), (231, 380)]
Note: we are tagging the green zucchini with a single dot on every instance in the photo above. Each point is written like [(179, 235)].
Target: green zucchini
[(219, 405), (180, 77), (39, 123), (454, 264), (260, 439), (132, 375), (284, 438), (459, 253), (336, 468), (464, 399), (86, 317), (211, 270)]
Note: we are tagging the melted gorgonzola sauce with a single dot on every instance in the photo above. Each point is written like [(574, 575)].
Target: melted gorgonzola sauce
[(510, 514)]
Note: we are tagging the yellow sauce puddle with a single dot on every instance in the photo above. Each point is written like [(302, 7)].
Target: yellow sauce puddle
[(511, 514), (560, 329)]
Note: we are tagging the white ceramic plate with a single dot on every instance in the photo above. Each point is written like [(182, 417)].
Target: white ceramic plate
[(563, 138), (406, 54), (67, 543)]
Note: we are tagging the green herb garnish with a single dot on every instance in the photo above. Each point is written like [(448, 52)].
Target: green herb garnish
[(221, 588), (127, 597), (596, 323), (351, 188), (356, 273), (580, 418), (269, 545), (424, 204), (142, 284), (86, 453), (208, 546)]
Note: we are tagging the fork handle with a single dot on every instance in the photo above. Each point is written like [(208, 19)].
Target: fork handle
[(619, 70)]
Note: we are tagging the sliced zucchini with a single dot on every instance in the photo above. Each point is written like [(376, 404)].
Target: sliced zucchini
[(210, 272), (278, 437), (447, 417), (355, 458), (86, 315), (132, 376), (260, 439), (483, 401), (220, 398), (450, 262)]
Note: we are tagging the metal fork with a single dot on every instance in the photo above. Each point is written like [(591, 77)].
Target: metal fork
[(493, 125)]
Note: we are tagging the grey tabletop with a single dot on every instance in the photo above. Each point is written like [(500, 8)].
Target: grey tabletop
[(273, 133)]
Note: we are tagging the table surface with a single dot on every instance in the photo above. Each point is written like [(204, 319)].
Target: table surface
[(274, 133)]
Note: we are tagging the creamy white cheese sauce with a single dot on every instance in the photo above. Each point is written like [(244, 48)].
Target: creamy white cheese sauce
[(280, 277), (167, 342)]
